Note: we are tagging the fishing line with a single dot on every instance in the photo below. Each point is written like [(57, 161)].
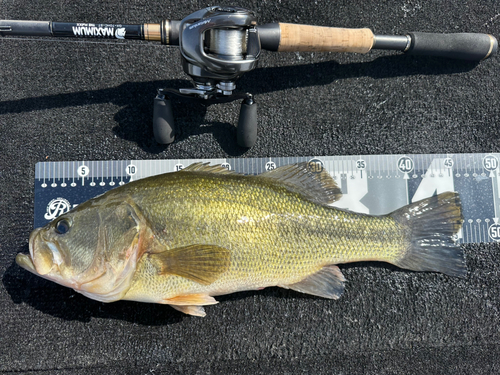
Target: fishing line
[(230, 43)]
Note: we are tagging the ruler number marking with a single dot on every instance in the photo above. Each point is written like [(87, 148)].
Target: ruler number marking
[(270, 166), (83, 171), (490, 163), (131, 169), (405, 164)]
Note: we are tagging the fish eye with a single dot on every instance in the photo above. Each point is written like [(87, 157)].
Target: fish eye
[(62, 226)]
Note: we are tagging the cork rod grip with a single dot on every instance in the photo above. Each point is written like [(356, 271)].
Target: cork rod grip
[(306, 38)]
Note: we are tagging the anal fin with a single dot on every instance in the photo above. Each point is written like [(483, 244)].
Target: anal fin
[(190, 304), (191, 310), (327, 283), (191, 299)]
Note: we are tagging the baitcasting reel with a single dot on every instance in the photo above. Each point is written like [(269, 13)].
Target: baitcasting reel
[(219, 44)]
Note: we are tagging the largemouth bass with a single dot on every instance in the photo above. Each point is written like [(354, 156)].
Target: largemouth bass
[(182, 238)]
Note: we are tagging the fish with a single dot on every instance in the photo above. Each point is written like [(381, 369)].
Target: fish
[(184, 237)]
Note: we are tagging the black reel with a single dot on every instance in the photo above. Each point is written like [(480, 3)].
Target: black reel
[(218, 45)]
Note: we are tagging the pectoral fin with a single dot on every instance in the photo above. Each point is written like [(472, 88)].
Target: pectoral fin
[(200, 263), (327, 282)]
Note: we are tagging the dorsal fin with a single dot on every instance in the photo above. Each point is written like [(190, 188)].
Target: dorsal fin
[(318, 187), (206, 167)]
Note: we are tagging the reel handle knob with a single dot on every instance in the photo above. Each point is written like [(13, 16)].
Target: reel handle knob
[(246, 132), (163, 120)]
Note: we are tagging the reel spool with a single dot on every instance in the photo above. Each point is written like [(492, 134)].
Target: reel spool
[(230, 44)]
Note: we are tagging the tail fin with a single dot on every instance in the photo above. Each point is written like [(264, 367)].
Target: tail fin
[(431, 224)]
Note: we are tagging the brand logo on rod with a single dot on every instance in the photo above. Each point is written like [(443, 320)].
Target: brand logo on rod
[(120, 33), (89, 30)]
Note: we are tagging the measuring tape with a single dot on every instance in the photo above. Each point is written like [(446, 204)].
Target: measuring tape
[(372, 184)]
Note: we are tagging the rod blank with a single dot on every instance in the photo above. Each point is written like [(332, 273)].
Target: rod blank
[(25, 28), (394, 42)]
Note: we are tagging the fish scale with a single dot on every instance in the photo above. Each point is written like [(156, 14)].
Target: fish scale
[(269, 245)]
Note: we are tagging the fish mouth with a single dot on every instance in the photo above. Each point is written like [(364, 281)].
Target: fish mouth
[(41, 258), (26, 261), (33, 236)]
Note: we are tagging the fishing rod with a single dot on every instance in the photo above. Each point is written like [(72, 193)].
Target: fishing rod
[(219, 44)]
